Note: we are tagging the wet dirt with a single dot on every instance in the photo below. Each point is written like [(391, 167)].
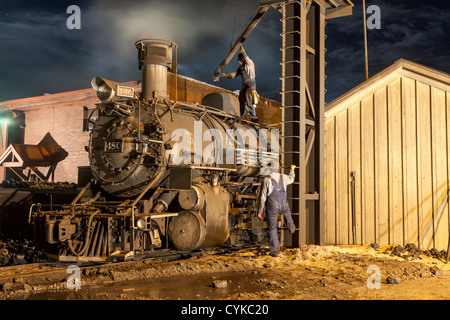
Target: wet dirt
[(305, 273), (193, 287)]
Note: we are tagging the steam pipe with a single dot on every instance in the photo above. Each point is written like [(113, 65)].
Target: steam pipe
[(162, 203)]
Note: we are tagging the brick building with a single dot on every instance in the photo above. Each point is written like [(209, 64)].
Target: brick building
[(64, 116)]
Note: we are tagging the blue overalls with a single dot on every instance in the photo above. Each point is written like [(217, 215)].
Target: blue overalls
[(277, 203), (246, 102)]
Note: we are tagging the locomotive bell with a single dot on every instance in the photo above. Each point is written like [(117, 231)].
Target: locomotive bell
[(155, 59)]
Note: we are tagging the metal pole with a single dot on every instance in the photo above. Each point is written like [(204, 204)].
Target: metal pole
[(353, 195), (365, 39), (259, 13)]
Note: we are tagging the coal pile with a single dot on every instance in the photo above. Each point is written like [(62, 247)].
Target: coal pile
[(11, 183), (16, 252), (412, 252)]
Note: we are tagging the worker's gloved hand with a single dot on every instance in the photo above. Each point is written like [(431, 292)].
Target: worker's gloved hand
[(292, 167)]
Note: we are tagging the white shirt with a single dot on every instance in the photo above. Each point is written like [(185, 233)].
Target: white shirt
[(267, 187)]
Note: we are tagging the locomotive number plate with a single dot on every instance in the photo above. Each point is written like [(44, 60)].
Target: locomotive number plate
[(125, 91), (114, 146)]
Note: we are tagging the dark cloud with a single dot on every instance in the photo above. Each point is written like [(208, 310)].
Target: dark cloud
[(202, 29), (413, 30), (39, 53)]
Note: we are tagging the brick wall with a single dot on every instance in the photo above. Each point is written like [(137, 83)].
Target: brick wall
[(65, 124)]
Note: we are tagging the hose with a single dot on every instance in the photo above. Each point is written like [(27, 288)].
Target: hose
[(86, 241)]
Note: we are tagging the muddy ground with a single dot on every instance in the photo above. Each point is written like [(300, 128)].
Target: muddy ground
[(310, 272)]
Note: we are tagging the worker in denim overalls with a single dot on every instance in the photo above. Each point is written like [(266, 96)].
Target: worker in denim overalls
[(273, 196)]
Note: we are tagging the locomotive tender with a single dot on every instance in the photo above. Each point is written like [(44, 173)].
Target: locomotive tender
[(165, 173)]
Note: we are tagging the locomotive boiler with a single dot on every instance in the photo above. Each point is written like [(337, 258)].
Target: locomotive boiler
[(166, 174)]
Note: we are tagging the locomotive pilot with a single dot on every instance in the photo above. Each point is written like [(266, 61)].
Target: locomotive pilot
[(273, 197), (248, 98)]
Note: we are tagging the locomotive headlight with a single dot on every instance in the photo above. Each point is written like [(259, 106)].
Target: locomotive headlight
[(109, 91), (140, 224)]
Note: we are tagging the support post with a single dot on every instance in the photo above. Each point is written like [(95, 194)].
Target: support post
[(303, 101)]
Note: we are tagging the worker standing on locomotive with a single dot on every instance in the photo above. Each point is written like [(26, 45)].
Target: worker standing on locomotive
[(248, 98), (273, 196)]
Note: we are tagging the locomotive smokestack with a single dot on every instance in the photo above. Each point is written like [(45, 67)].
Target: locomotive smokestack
[(155, 59)]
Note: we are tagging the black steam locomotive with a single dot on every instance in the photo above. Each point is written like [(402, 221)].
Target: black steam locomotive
[(166, 174)]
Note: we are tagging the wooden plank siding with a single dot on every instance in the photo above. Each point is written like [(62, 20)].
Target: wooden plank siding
[(394, 133), (395, 162)]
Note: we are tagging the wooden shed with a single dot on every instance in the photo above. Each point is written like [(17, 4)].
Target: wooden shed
[(388, 160)]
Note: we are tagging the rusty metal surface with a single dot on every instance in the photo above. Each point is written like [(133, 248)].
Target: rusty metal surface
[(47, 152)]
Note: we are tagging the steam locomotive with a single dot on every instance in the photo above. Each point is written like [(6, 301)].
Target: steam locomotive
[(166, 174)]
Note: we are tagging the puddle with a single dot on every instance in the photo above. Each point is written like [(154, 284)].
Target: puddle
[(192, 287)]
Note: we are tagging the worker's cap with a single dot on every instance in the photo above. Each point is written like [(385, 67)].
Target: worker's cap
[(240, 57)]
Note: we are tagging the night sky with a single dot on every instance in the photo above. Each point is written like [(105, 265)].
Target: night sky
[(39, 54)]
